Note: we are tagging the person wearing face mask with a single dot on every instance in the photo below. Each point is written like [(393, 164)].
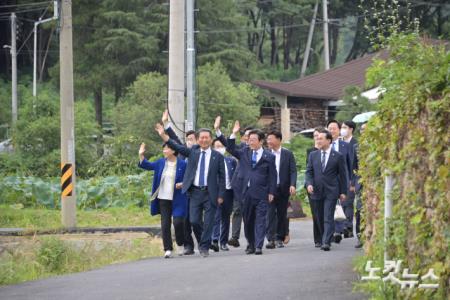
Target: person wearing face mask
[(221, 228), (347, 130), (167, 197)]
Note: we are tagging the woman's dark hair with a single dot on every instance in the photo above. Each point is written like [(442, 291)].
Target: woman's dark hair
[(189, 132), (167, 144), (259, 133)]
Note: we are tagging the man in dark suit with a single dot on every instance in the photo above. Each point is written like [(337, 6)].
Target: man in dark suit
[(286, 186), (221, 229), (326, 181), (347, 130), (257, 182), (317, 233), (204, 182), (191, 141), (342, 147), (238, 202)]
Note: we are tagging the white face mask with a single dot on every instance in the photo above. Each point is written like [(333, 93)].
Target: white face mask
[(344, 132), (221, 150)]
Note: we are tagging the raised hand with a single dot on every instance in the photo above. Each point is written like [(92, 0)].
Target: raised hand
[(160, 130), (141, 151), (236, 127), (165, 117), (217, 123)]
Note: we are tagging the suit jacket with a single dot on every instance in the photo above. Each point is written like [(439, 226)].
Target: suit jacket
[(179, 201), (171, 133), (287, 172), (331, 182), (344, 149), (235, 183), (352, 154), (216, 170), (262, 178)]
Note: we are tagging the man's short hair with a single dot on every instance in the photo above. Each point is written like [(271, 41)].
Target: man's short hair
[(189, 132), (318, 129), (328, 135), (246, 129), (276, 133), (197, 134), (216, 140), (259, 133), (334, 121), (350, 124)]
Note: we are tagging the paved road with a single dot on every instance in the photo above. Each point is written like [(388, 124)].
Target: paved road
[(298, 271)]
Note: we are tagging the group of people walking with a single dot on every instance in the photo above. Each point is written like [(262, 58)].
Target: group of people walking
[(201, 188)]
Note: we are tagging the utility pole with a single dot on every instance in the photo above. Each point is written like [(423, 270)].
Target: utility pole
[(326, 48), (68, 196), (14, 67), (308, 42), (176, 65), (36, 24), (190, 65)]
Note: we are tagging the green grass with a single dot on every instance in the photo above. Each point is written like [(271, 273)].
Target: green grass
[(41, 218), (41, 257)]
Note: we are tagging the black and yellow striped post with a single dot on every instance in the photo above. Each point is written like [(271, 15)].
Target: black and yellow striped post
[(66, 180)]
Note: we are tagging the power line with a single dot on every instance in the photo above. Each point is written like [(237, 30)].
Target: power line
[(25, 4), (22, 11)]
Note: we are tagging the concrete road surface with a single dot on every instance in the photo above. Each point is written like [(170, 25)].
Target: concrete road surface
[(298, 271)]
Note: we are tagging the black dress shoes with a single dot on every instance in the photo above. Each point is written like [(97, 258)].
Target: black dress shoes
[(348, 233), (280, 244), (270, 245), (325, 247), (250, 250), (204, 253), (318, 245), (234, 242), (214, 246), (258, 251), (224, 248), (337, 238)]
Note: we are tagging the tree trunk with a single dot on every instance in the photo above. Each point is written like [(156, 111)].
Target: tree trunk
[(273, 39), (41, 72), (98, 104), (334, 43)]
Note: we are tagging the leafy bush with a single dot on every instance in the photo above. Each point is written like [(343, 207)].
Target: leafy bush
[(94, 193), (408, 138)]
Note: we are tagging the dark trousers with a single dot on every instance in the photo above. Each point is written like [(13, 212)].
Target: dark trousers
[(276, 218), (221, 229), (328, 206), (201, 214), (317, 216), (254, 214), (358, 214), (188, 240), (236, 220), (165, 207), (348, 208)]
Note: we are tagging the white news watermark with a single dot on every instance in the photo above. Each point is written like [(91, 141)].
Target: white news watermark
[(391, 273)]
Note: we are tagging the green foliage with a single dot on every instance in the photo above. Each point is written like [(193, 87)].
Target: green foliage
[(93, 193), (218, 95), (354, 103), (409, 138)]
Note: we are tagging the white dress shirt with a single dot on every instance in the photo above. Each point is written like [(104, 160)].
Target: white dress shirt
[(277, 154), (197, 173), (227, 178), (336, 145), (327, 156)]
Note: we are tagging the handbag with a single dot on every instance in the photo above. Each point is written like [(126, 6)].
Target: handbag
[(339, 214)]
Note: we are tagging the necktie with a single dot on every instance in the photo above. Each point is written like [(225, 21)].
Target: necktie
[(254, 159), (333, 146), (201, 180), (324, 155)]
